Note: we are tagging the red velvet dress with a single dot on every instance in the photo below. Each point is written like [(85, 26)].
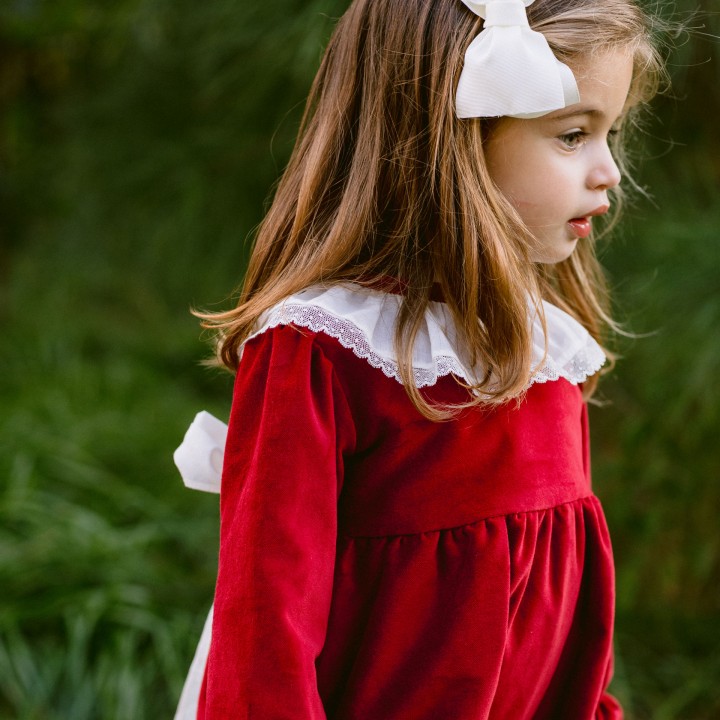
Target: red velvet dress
[(376, 565)]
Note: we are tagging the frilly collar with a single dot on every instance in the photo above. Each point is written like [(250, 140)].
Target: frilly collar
[(363, 319)]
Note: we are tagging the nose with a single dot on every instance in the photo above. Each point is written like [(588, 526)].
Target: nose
[(605, 173)]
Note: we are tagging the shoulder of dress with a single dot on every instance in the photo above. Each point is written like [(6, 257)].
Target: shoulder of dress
[(363, 320)]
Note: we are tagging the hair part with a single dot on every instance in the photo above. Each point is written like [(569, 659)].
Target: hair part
[(385, 181)]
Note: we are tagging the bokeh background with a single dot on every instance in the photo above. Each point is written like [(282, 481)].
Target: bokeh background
[(138, 142)]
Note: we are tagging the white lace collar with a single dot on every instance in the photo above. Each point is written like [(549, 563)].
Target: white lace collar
[(363, 320)]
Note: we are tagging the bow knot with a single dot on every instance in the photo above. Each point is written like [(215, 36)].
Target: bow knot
[(505, 14)]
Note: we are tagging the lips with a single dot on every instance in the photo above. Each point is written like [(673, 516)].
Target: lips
[(582, 226)]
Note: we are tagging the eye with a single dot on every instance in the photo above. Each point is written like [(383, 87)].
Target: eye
[(573, 140)]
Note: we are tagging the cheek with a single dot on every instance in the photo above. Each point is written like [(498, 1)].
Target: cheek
[(541, 194), (525, 170), (531, 197), (522, 178)]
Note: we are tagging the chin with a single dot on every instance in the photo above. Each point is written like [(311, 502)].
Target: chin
[(551, 256)]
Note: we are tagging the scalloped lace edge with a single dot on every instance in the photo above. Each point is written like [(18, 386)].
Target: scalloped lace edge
[(584, 363)]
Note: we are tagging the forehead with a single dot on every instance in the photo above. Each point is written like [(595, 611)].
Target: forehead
[(603, 66), (604, 83)]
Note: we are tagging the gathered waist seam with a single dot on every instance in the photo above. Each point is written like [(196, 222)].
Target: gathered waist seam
[(470, 524)]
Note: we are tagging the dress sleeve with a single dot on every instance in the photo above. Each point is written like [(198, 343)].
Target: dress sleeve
[(289, 429)]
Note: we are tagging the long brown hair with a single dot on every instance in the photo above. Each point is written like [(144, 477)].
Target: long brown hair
[(385, 181)]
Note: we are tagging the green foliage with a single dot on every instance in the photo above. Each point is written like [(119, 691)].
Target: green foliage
[(138, 141), (655, 461)]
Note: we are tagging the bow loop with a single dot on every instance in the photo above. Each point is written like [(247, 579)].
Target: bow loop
[(510, 69), (200, 455)]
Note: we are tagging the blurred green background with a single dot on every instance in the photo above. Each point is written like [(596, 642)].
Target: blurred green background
[(138, 143)]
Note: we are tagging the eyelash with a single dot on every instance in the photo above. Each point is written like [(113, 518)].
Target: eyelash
[(576, 139), (569, 140)]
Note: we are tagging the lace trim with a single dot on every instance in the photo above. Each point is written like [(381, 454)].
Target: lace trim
[(352, 337), (583, 364)]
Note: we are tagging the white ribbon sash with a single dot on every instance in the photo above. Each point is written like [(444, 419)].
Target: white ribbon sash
[(199, 458)]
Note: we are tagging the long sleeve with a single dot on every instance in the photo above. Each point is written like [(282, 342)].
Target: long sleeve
[(289, 429)]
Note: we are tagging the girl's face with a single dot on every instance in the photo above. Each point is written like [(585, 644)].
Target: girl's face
[(556, 170)]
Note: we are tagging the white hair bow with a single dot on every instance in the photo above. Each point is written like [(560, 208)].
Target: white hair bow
[(510, 69)]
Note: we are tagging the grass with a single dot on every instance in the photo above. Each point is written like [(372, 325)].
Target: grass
[(105, 560)]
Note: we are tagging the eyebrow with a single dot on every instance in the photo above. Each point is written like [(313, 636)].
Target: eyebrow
[(593, 112)]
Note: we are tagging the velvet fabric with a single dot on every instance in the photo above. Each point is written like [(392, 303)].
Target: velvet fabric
[(375, 565)]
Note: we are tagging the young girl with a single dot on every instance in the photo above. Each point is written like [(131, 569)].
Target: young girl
[(408, 530)]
